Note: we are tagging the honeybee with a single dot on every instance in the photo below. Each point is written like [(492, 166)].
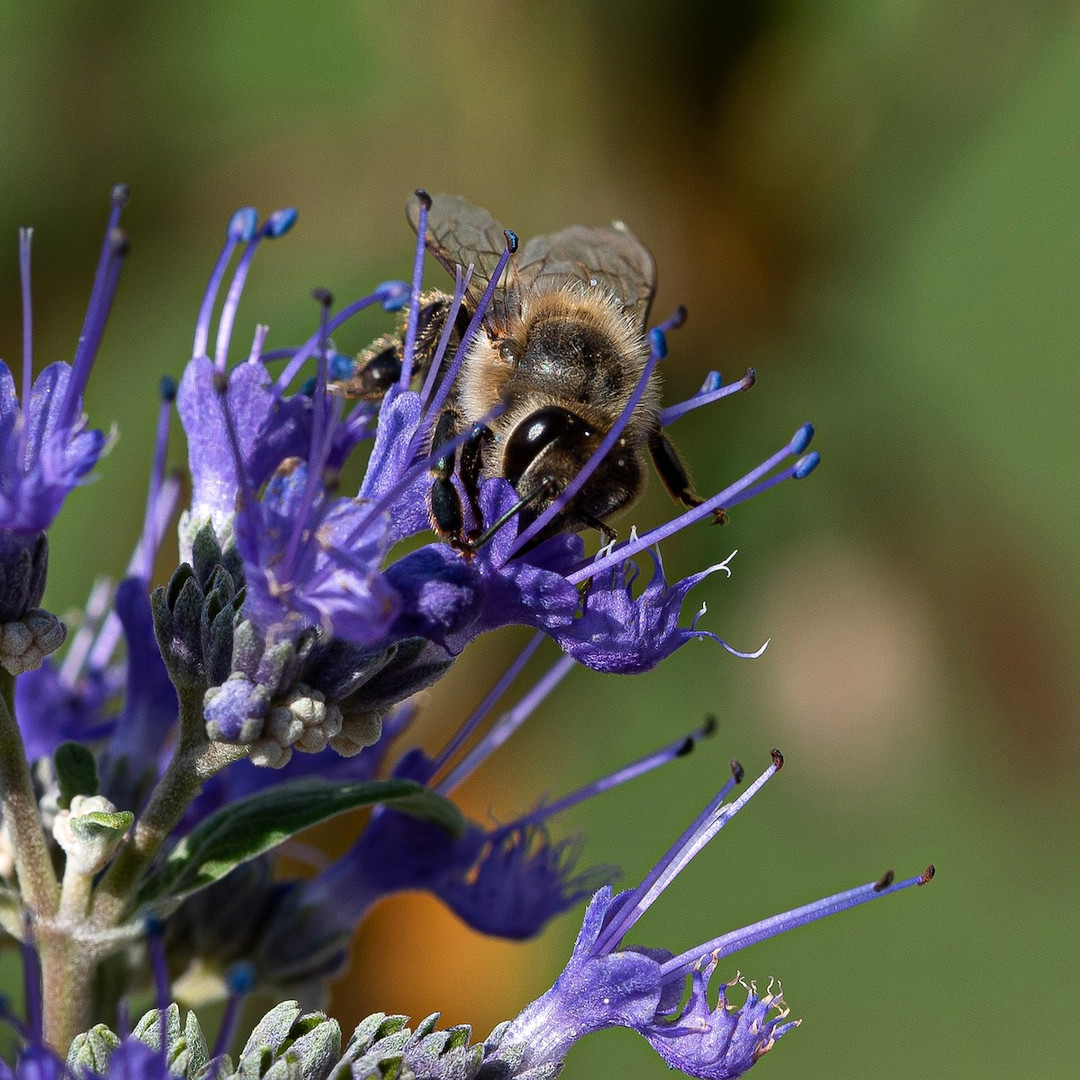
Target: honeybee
[(562, 349)]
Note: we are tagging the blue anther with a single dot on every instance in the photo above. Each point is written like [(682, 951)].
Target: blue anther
[(658, 342), (805, 466), (340, 366), (511, 240), (242, 224), (280, 221), (167, 388), (240, 977), (713, 381), (153, 926), (801, 439), (393, 295)]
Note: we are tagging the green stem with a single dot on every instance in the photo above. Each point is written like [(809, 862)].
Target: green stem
[(192, 765), (67, 979), (37, 880)]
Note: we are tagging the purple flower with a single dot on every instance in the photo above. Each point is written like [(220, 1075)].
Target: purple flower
[(46, 448), (609, 984)]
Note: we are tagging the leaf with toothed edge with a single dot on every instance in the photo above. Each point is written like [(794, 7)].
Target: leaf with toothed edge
[(245, 829)]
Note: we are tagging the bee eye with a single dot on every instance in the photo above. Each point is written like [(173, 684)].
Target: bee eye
[(506, 351), (537, 431)]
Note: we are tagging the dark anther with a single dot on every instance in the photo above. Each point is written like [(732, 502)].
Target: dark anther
[(511, 240), (777, 759), (424, 197), (927, 875), (119, 242), (884, 881), (167, 388), (737, 771), (678, 317), (323, 296), (687, 746), (710, 725), (220, 382), (119, 195)]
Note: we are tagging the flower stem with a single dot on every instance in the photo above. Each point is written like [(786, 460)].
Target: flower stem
[(18, 804), (66, 979), (192, 765)]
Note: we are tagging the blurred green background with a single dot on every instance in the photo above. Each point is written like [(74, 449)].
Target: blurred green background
[(877, 204)]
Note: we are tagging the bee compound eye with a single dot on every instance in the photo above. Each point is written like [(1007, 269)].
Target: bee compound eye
[(507, 352), (535, 433)]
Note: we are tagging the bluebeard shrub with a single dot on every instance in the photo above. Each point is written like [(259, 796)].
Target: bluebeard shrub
[(192, 726)]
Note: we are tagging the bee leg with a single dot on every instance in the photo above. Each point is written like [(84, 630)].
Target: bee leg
[(605, 530), (671, 470), (377, 369), (542, 488), (444, 504), (470, 460)]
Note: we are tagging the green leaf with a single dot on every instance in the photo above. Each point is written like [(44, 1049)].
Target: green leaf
[(97, 824), (259, 822), (76, 772)]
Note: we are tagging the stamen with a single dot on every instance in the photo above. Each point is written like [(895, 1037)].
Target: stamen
[(240, 978), (155, 943), (258, 340), (388, 294), (678, 748), (142, 562), (736, 940), (106, 279), (277, 224), (466, 341), (799, 471), (709, 393), (25, 236), (707, 824), (461, 283), (658, 348), (505, 726), (241, 230), (624, 551), (674, 320), (413, 322), (465, 731), (320, 445)]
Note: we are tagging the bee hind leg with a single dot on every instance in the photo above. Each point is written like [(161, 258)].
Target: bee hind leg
[(671, 470), (377, 368), (470, 461), (444, 503)]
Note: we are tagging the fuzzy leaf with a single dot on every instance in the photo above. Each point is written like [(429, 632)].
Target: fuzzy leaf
[(259, 822)]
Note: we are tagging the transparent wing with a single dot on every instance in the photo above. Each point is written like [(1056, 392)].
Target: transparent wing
[(611, 256), (459, 233)]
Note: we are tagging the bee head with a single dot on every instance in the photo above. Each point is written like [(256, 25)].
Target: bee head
[(554, 444)]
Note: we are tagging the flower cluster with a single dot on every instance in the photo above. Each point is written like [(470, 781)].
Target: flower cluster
[(270, 683)]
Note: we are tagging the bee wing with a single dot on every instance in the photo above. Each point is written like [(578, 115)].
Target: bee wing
[(611, 256), (460, 234)]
